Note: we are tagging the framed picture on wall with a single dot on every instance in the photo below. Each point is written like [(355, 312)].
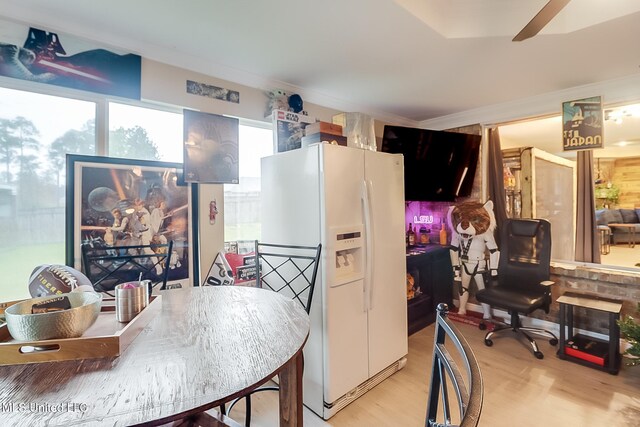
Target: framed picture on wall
[(39, 55), (114, 202), (582, 121), (210, 148)]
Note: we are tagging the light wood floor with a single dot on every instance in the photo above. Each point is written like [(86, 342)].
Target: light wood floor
[(519, 391)]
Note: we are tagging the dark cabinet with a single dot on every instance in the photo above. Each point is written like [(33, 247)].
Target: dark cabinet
[(430, 268)]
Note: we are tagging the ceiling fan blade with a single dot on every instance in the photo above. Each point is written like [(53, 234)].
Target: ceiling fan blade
[(546, 14)]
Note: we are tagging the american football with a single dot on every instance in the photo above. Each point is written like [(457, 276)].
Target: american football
[(54, 279)]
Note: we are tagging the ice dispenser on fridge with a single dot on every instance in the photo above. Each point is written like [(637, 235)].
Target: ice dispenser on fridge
[(347, 249)]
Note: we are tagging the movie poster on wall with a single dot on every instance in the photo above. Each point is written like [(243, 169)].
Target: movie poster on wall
[(117, 203), (582, 124), (210, 148), (39, 55)]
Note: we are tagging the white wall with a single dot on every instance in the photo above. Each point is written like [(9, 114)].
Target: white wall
[(166, 84)]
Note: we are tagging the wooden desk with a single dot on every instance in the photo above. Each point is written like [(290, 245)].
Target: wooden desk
[(206, 346)]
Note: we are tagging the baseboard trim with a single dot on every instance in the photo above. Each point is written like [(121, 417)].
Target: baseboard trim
[(330, 409)]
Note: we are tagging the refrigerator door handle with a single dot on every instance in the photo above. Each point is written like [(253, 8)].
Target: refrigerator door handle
[(368, 236), (371, 247)]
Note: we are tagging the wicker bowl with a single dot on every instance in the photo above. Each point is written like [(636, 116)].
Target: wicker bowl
[(71, 323)]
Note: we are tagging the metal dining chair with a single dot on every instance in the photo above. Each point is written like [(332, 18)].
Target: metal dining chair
[(291, 271), (447, 377), (108, 266)]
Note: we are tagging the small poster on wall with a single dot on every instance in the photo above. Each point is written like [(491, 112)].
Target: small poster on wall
[(582, 124), (38, 55), (210, 148)]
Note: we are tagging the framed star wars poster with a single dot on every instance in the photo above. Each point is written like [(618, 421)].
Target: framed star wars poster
[(114, 203)]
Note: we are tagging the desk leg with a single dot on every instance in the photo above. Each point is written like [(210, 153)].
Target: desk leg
[(570, 322), (614, 342), (291, 393)]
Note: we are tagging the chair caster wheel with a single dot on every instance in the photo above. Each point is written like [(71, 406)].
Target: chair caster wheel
[(538, 354), (553, 341), (488, 342), (482, 326)]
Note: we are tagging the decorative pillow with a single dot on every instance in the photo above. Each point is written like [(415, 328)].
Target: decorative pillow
[(614, 215), (629, 216), (601, 217)]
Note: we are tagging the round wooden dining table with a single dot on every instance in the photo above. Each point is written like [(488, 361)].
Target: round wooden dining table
[(206, 346)]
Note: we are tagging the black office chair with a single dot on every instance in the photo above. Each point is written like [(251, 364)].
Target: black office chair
[(522, 285), (108, 266), (447, 376), (291, 271)]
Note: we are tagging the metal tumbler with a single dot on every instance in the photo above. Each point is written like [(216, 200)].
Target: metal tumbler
[(130, 301)]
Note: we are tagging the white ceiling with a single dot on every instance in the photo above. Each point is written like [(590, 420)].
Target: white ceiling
[(402, 61)]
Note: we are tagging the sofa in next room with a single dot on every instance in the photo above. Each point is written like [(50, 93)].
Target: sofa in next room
[(620, 216)]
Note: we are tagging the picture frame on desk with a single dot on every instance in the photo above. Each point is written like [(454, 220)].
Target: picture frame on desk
[(110, 200)]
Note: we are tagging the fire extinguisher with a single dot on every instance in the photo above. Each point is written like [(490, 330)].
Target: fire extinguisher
[(213, 212)]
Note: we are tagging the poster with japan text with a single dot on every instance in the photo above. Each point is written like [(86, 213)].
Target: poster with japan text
[(582, 124)]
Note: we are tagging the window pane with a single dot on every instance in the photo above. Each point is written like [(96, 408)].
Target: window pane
[(144, 133), (36, 133), (554, 202), (242, 201)]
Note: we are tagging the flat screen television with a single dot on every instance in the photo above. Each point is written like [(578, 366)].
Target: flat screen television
[(438, 165)]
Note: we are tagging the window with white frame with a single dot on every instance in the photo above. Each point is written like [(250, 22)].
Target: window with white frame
[(242, 201), (137, 132), (36, 133)]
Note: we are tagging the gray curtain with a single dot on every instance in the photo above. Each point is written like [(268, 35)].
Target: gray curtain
[(587, 244), (495, 176)]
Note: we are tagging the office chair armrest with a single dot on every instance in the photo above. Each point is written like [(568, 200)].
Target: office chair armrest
[(491, 281), (547, 284)]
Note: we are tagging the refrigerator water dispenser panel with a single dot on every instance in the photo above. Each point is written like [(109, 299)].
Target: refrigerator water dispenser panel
[(347, 249)]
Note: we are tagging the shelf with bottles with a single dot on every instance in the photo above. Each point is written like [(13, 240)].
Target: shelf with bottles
[(425, 236)]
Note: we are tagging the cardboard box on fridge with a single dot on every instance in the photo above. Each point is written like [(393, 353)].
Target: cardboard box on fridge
[(288, 130), (323, 127), (326, 138)]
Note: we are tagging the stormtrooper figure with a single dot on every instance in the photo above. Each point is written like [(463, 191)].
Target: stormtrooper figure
[(473, 225)]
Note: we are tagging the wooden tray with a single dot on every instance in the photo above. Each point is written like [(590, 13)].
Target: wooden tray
[(105, 338)]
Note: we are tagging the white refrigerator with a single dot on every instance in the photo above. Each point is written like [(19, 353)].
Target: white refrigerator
[(352, 201)]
